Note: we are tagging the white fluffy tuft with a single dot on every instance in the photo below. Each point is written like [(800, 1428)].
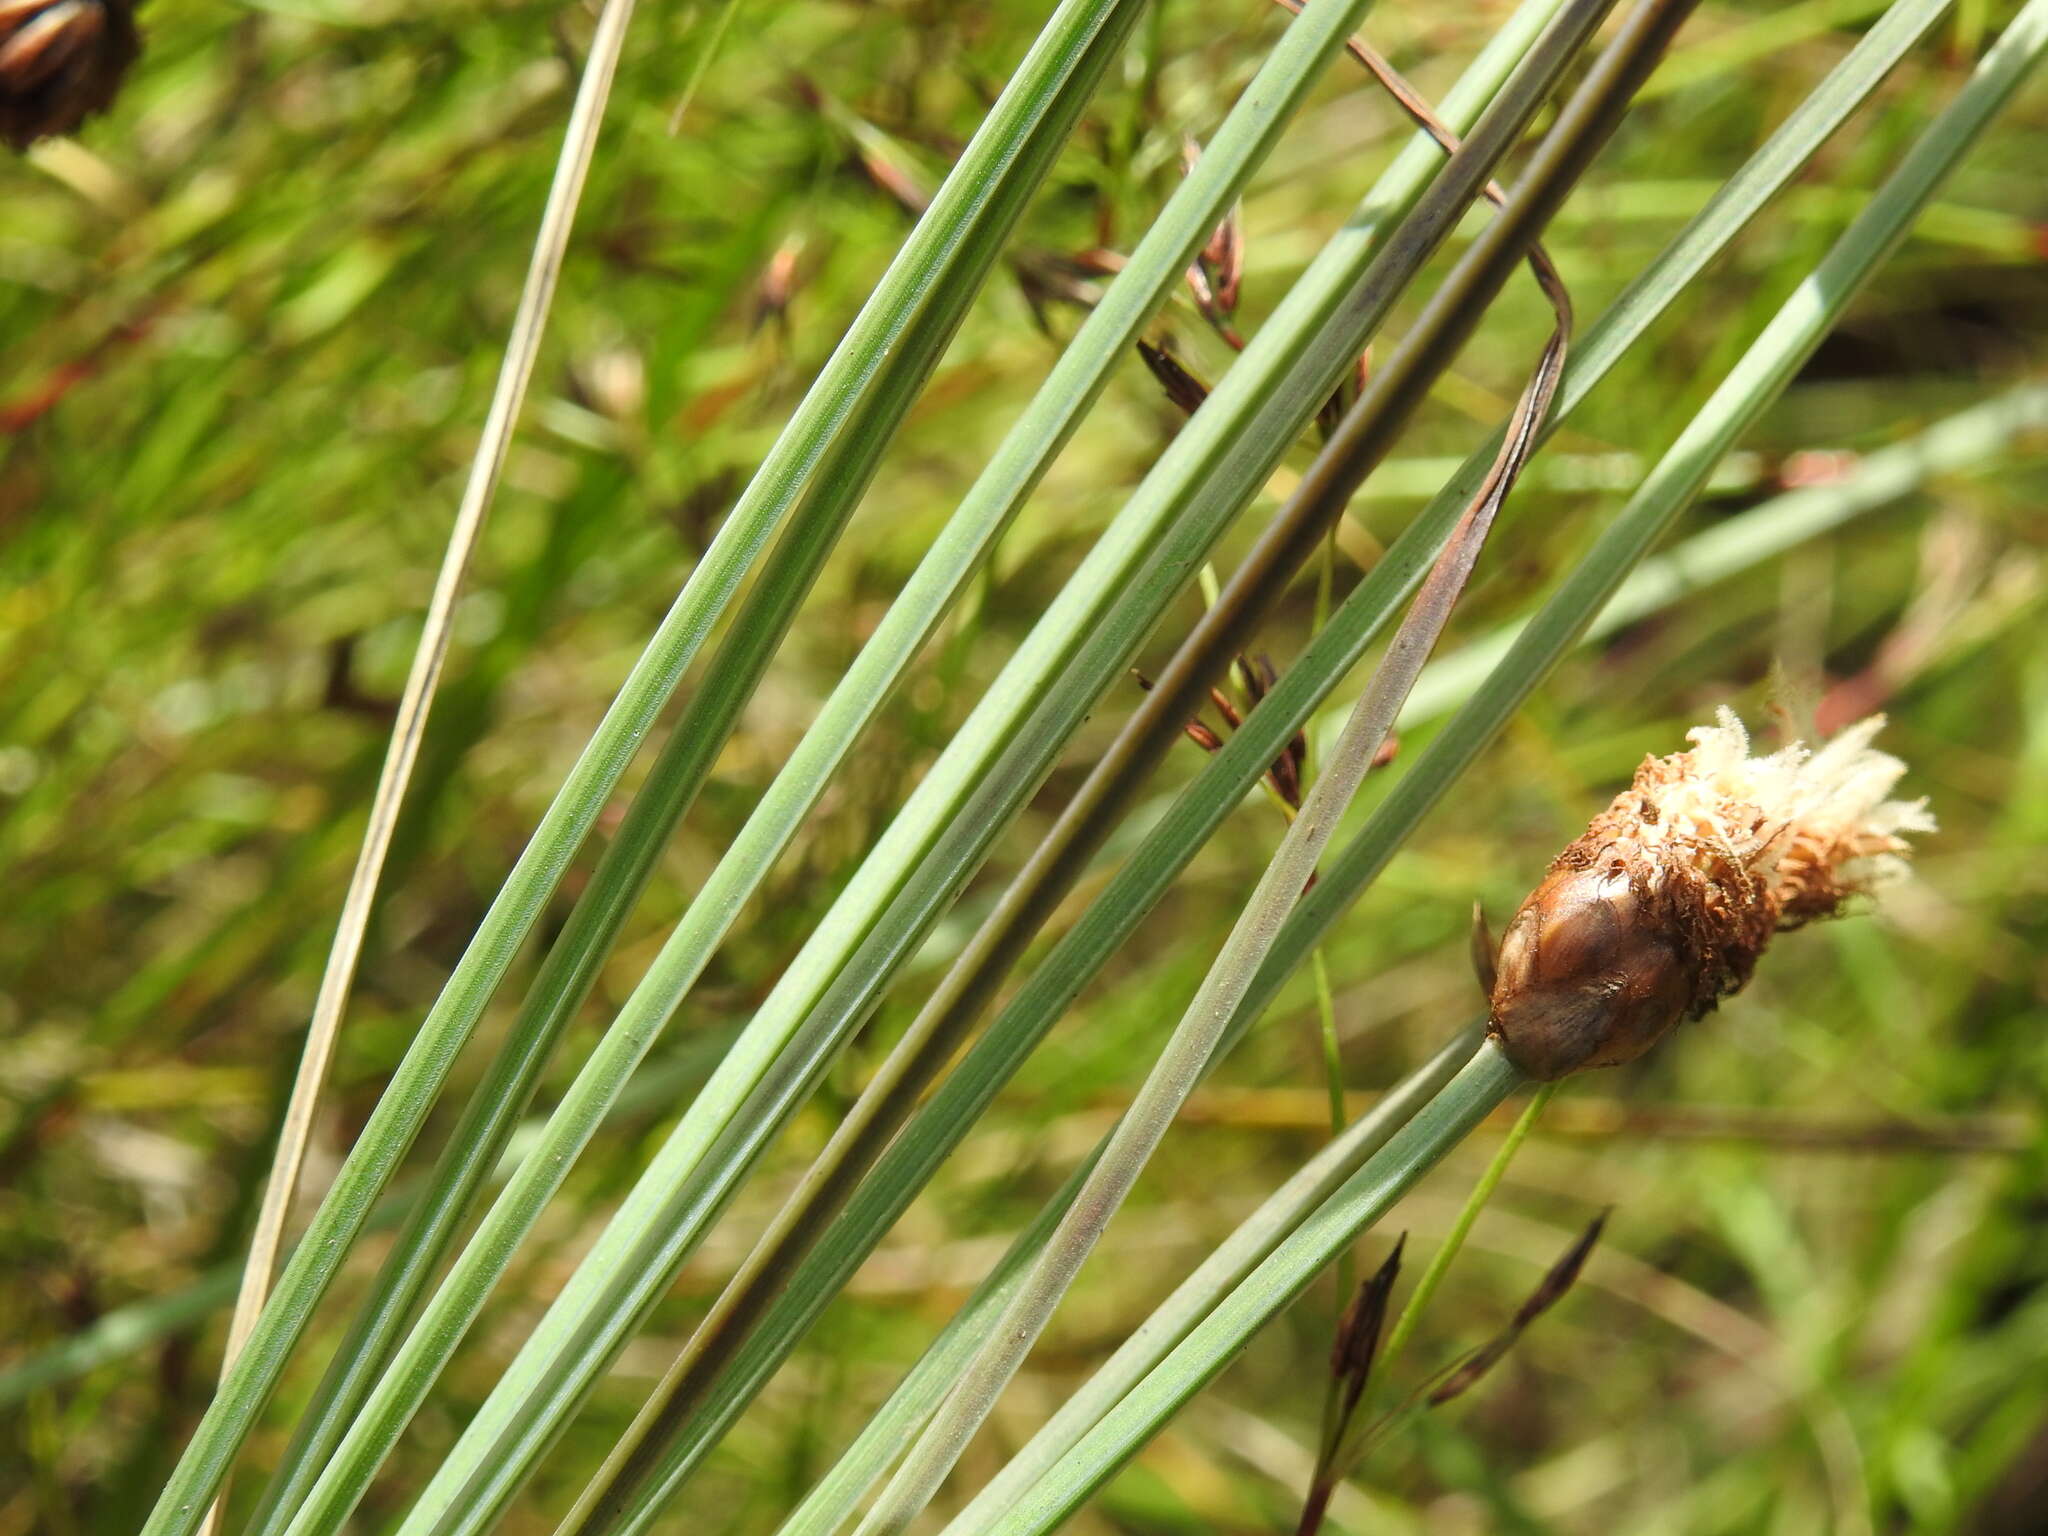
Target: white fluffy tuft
[(1826, 812)]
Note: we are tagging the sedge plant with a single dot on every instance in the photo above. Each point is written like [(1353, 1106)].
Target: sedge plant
[(808, 488)]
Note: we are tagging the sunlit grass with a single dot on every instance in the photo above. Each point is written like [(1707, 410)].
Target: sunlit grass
[(251, 321)]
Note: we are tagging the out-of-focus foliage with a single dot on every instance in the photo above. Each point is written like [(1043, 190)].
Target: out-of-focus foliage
[(250, 324)]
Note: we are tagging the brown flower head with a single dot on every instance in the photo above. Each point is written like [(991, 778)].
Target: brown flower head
[(1661, 909)]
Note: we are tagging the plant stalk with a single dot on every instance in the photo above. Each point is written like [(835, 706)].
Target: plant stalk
[(1483, 1083), (1281, 550), (1368, 430), (1769, 364), (317, 1490), (802, 1291), (793, 1290)]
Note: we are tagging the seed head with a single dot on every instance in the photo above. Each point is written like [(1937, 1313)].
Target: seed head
[(1661, 909)]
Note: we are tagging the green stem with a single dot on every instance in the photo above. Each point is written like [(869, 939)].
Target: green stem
[(784, 1283), (1584, 124), (1333, 1082), (1333, 1060), (1004, 165), (1326, 1004), (761, 1324), (1439, 1265), (1486, 1080)]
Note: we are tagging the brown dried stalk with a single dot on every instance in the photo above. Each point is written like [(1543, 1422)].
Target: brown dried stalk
[(1535, 402)]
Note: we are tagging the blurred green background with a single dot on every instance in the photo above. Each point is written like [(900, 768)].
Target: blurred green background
[(250, 325)]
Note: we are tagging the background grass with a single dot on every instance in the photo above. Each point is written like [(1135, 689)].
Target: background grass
[(250, 326)]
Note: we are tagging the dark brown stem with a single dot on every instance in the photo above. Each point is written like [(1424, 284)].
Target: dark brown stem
[(1315, 1507)]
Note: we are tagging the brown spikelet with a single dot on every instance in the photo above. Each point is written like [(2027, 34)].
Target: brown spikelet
[(1548, 1293), (1182, 387), (1358, 1334), (1286, 773)]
